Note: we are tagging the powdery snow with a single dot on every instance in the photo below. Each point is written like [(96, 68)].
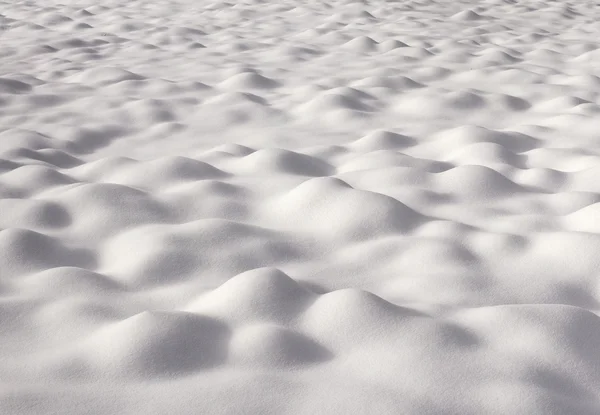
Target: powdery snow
[(299, 207)]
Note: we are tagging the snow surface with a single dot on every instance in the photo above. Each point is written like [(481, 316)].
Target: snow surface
[(299, 207)]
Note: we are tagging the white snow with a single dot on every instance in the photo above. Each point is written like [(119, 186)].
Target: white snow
[(299, 207)]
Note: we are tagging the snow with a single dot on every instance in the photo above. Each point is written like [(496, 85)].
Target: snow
[(299, 207)]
